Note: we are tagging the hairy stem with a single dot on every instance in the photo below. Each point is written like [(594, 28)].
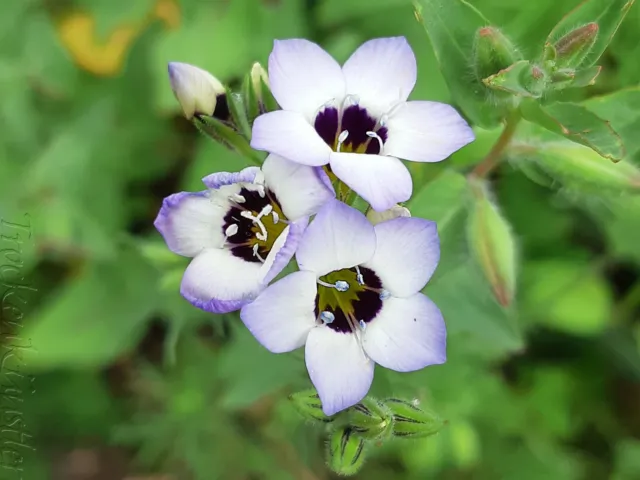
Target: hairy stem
[(494, 156)]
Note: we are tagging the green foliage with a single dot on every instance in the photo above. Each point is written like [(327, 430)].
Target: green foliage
[(101, 352)]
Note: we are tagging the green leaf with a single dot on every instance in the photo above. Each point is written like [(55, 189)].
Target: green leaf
[(451, 26), (96, 316), (622, 110), (444, 200), (608, 14), (578, 124)]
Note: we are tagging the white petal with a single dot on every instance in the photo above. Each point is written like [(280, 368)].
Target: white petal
[(426, 132), (195, 89), (339, 237), (300, 189), (303, 76), (283, 249), (408, 334), (339, 369), (407, 254), (283, 314), (220, 179), (219, 282), (190, 222), (381, 181), (382, 72), (289, 135)]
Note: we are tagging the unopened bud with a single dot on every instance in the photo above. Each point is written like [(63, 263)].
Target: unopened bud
[(572, 48), (394, 212), (581, 167), (492, 243), (259, 80), (410, 421), (307, 403), (370, 419), (197, 91), (346, 452), (493, 51)]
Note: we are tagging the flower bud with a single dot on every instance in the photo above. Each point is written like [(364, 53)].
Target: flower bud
[(581, 167), (572, 48), (492, 243), (410, 421), (307, 403), (346, 452), (370, 419), (259, 80), (394, 212), (493, 52), (197, 91)]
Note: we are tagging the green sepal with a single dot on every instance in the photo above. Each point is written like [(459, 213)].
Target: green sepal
[(521, 79), (370, 419), (410, 421), (346, 452), (238, 113), (221, 132), (493, 52), (307, 404)]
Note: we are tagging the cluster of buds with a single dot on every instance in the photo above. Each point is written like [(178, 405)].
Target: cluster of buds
[(352, 431)]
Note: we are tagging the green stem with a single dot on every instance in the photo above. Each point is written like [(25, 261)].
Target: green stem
[(493, 158)]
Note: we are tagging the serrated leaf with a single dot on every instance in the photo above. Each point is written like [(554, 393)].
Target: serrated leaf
[(451, 26), (622, 110), (578, 124), (608, 14)]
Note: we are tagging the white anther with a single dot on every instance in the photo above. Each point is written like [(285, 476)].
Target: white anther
[(341, 138), (327, 317), (363, 325), (266, 210), (359, 276), (262, 234), (236, 197), (383, 120), (275, 216), (377, 137), (256, 254), (259, 178), (231, 230), (342, 286), (384, 294)]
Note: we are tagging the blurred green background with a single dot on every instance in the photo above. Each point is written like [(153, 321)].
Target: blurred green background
[(107, 373)]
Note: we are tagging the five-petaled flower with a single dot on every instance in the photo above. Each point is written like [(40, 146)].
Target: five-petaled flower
[(356, 119), (242, 231), (355, 302)]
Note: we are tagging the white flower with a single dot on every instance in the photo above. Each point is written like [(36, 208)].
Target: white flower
[(197, 90), (355, 302), (356, 118), (242, 231)]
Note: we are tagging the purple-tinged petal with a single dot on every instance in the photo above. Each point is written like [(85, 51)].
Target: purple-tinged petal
[(408, 334), (426, 132), (303, 77), (190, 222), (283, 249), (381, 73), (300, 189), (219, 282), (339, 369), (289, 135), (381, 181), (338, 237), (407, 254), (282, 315), (219, 179)]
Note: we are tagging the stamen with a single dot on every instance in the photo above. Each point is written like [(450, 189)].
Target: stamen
[(377, 137), (236, 197), (383, 120), (359, 276), (256, 254), (384, 294), (266, 210), (342, 286), (363, 325), (259, 178), (353, 324), (341, 138), (325, 284), (327, 317), (231, 230), (262, 234), (261, 191), (275, 216)]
